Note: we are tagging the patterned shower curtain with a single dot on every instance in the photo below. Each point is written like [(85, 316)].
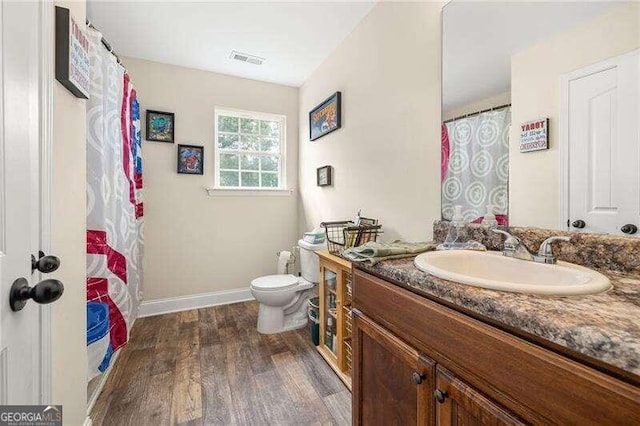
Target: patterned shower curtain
[(475, 165), (114, 206)]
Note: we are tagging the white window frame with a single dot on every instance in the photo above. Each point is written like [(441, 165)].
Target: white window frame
[(282, 166)]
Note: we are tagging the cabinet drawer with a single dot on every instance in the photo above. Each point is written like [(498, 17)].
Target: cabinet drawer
[(536, 384)]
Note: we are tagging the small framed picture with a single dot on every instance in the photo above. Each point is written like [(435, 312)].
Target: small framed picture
[(160, 126), (191, 159), (323, 175), (326, 117)]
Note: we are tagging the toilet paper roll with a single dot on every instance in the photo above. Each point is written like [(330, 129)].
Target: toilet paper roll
[(284, 257)]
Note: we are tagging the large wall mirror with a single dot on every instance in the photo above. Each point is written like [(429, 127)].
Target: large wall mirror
[(541, 114)]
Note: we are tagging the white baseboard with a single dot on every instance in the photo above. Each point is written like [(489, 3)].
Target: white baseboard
[(98, 390), (185, 303)]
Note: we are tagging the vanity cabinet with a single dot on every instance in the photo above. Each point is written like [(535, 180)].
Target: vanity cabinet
[(472, 373), (457, 403), (391, 380), (335, 314)]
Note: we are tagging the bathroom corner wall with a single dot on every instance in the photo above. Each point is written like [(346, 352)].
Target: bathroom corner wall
[(196, 243), (534, 185), (386, 156), (69, 242)]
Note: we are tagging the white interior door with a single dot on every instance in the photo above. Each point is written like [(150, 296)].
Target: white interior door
[(604, 146), (20, 349)]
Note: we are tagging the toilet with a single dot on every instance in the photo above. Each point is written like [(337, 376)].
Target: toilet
[(283, 297)]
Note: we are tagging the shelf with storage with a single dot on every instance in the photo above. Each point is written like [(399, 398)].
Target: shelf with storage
[(335, 314)]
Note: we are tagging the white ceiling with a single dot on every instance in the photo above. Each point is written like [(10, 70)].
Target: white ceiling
[(480, 37), (293, 37)]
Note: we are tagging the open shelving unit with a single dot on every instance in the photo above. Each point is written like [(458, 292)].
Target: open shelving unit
[(335, 314)]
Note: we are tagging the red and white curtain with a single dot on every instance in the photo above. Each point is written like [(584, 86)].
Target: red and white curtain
[(475, 165), (114, 204)]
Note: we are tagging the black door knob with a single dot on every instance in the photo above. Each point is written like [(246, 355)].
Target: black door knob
[(629, 229), (417, 378), (440, 395), (578, 224), (46, 291), (45, 264)]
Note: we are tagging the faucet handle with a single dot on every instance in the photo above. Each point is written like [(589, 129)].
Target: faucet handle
[(511, 242), (545, 254)]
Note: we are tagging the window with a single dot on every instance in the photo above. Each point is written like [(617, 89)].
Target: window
[(249, 150)]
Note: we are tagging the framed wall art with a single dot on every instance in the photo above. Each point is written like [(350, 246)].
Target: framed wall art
[(72, 54), (326, 117), (323, 176), (160, 126), (190, 159)]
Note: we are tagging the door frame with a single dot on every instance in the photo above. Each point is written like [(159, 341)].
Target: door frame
[(563, 124), (46, 55)]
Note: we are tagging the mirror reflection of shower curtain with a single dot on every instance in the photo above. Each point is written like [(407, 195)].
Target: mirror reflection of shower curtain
[(114, 206), (475, 165)]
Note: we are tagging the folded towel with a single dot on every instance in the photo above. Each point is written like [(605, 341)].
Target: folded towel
[(374, 252)]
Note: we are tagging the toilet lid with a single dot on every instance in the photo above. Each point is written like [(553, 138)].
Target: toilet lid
[(275, 282)]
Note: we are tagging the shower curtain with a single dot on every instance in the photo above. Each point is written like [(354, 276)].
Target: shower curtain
[(114, 206), (475, 165)]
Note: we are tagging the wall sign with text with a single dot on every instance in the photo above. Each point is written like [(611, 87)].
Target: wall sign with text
[(72, 54), (534, 135)]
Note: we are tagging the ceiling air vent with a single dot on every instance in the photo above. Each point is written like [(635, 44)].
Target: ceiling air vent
[(244, 57)]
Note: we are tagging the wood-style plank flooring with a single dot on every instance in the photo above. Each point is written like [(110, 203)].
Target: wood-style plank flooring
[(211, 367)]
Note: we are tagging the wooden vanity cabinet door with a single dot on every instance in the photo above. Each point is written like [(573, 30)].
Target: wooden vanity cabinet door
[(458, 404), (392, 383)]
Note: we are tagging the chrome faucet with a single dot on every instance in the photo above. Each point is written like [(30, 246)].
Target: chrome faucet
[(513, 247)]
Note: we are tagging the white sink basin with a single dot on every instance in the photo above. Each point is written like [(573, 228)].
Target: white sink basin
[(497, 272)]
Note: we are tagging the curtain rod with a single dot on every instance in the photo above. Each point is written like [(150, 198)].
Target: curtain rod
[(106, 44), (477, 113)]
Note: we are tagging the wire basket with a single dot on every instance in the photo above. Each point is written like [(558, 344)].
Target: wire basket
[(346, 234)]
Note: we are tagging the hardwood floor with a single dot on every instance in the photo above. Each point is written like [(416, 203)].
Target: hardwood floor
[(211, 367)]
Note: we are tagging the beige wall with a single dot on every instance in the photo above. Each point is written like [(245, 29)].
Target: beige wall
[(68, 241), (477, 106), (195, 243), (386, 156), (535, 93)]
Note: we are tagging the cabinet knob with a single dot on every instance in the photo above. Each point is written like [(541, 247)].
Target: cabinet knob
[(440, 395), (629, 229), (580, 224), (418, 378)]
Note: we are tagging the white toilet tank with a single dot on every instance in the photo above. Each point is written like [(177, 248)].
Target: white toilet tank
[(309, 262)]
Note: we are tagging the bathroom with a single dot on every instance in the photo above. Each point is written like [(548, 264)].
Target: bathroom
[(364, 212)]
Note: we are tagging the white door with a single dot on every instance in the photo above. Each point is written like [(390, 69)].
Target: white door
[(604, 146), (20, 347)]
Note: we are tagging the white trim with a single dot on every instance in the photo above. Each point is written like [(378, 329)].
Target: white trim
[(563, 124), (46, 148), (88, 421), (185, 303), (244, 192), (103, 380)]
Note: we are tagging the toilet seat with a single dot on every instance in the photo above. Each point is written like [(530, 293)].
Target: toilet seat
[(275, 282)]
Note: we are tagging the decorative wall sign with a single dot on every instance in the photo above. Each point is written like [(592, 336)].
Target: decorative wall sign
[(160, 126), (190, 159), (72, 54), (534, 135), (326, 117), (323, 176)]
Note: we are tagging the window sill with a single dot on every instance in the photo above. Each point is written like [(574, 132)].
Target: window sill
[(242, 192)]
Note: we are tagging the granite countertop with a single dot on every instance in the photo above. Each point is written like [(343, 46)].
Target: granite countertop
[(605, 326)]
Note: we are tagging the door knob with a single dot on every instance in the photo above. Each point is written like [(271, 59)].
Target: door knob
[(440, 395), (45, 264), (629, 229), (46, 291), (578, 224), (417, 378)]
